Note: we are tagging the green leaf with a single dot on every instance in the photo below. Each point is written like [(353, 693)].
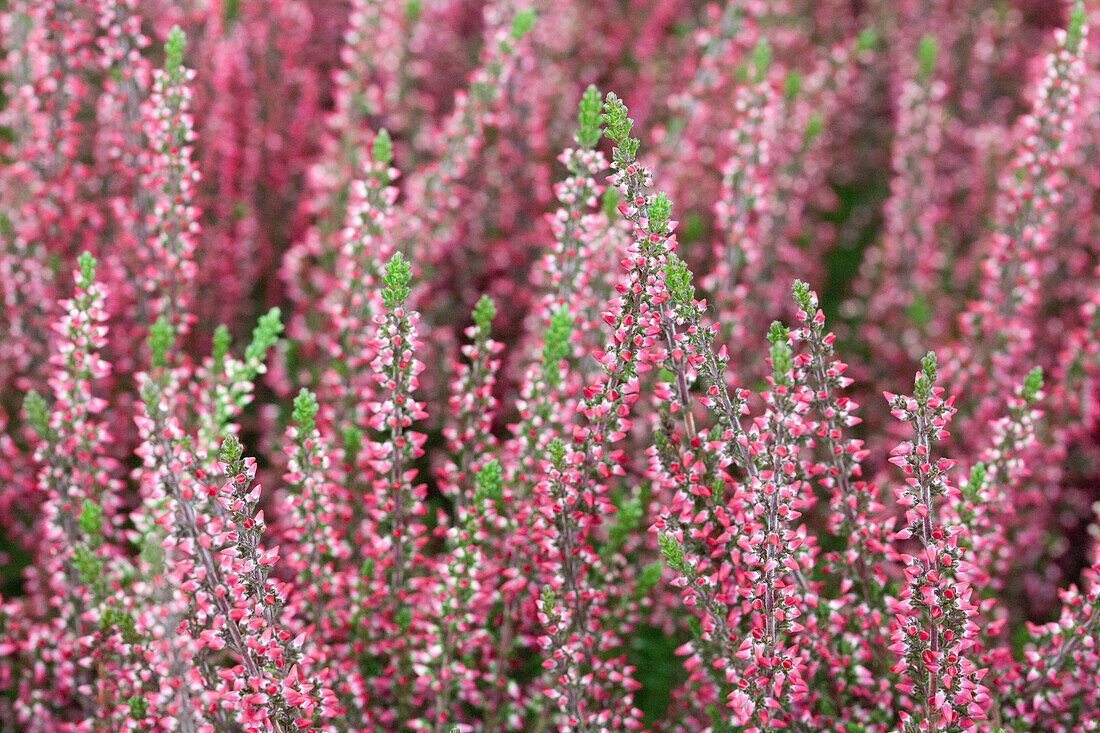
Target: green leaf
[(115, 618), (173, 49), (927, 377), (609, 202), (1075, 31), (403, 617), (38, 415), (615, 117), (761, 59), (352, 438), (678, 281), (161, 338), (87, 266), (230, 451), (557, 453), (780, 352), (926, 57), (88, 567), (978, 474), (305, 411), (588, 118), (151, 553), (792, 85), (1033, 384), (813, 127), (649, 578), (522, 23), (918, 311), (659, 213), (490, 483), (484, 313), (556, 345), (230, 12), (382, 148), (804, 297), (138, 707), (264, 336), (626, 522), (692, 230), (673, 553), (697, 631), (90, 521), (221, 346), (777, 334), (396, 278), (867, 40)]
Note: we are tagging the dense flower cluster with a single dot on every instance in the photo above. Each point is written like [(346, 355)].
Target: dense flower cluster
[(534, 457)]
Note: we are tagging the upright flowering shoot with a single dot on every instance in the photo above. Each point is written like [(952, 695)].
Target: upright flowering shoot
[(455, 144), (80, 508), (270, 656), (565, 320), (854, 503), (218, 593), (767, 664), (170, 253), (775, 555), (395, 371), (592, 693), (1065, 659), (910, 258), (572, 487), (320, 510), (934, 627), (570, 267), (455, 671), (745, 177), (342, 330), (993, 504), (633, 311), (1006, 318), (472, 404), (73, 426)]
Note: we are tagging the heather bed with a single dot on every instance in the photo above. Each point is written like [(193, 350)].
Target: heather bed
[(549, 419)]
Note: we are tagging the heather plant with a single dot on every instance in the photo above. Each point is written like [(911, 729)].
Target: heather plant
[(759, 393)]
